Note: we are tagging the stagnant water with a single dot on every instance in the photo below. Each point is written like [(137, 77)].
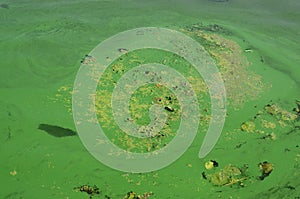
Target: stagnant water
[(41, 46)]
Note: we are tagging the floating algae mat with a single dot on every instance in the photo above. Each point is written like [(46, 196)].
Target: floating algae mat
[(253, 45)]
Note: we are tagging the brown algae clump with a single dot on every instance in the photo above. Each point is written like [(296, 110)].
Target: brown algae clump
[(272, 109), (133, 195), (211, 164), (90, 190), (266, 169), (279, 113), (268, 124), (229, 175), (241, 84), (272, 120)]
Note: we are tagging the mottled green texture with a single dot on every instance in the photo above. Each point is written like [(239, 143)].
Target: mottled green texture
[(41, 46)]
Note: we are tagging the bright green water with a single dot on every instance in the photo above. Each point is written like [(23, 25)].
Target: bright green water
[(41, 45)]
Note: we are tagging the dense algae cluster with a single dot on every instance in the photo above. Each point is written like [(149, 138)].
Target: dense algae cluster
[(241, 84)]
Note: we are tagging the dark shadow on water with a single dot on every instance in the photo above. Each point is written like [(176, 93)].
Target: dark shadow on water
[(219, 0), (4, 5), (56, 131)]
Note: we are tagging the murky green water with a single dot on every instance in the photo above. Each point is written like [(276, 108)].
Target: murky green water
[(41, 45)]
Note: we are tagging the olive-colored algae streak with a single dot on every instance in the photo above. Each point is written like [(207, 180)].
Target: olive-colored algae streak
[(241, 83)]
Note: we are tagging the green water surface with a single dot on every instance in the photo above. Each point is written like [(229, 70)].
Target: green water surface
[(41, 45)]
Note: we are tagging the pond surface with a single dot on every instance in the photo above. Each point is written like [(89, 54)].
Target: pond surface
[(255, 45)]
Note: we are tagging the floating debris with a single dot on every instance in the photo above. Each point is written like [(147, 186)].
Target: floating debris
[(248, 50), (13, 173), (88, 59), (280, 113), (229, 175), (204, 176), (56, 131), (297, 110), (169, 108), (123, 50), (90, 190), (133, 195), (211, 164), (272, 109), (273, 121), (266, 169)]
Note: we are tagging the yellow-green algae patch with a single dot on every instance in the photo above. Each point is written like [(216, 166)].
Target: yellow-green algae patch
[(146, 96), (241, 85)]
